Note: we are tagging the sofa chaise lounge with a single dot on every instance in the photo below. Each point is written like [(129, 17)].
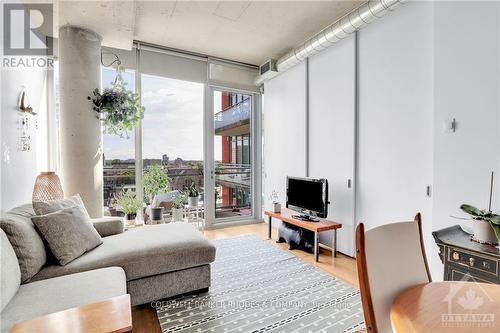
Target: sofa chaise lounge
[(150, 263)]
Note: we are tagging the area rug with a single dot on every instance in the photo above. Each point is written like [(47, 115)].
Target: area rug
[(257, 287)]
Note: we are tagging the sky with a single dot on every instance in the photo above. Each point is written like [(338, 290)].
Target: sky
[(173, 120)]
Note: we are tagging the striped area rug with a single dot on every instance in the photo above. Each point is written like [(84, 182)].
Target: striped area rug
[(257, 287)]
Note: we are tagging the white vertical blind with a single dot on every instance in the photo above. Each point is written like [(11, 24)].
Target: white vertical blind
[(332, 134), (284, 130)]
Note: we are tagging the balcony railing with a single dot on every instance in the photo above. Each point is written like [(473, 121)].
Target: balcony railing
[(233, 175), (235, 115), (119, 177)]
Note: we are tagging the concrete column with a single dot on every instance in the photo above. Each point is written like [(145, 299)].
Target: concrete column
[(80, 130)]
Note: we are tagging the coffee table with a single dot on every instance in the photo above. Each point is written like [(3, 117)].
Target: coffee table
[(109, 316)]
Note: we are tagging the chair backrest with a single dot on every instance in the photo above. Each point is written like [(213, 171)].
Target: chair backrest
[(390, 259), (10, 273)]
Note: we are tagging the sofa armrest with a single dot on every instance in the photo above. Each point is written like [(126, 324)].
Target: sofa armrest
[(107, 226)]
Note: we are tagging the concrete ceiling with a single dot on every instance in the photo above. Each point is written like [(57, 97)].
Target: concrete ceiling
[(246, 31)]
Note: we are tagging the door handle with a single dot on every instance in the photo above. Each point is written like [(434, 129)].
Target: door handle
[(348, 183)]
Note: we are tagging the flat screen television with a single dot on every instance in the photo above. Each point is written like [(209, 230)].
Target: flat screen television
[(308, 196)]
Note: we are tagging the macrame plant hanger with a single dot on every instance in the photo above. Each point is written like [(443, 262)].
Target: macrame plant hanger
[(116, 61)]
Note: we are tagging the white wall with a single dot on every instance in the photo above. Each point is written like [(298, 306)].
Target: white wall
[(19, 168), (395, 118), (423, 64), (331, 134), (466, 61), (285, 131)]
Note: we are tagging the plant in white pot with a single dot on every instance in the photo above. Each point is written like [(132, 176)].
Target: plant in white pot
[(274, 198), (193, 194), (178, 208), (156, 182), (486, 225), (129, 204)]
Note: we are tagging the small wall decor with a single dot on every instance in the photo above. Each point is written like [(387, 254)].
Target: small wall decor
[(22, 103), (24, 138)]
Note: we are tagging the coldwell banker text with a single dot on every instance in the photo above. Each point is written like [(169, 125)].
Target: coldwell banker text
[(27, 32)]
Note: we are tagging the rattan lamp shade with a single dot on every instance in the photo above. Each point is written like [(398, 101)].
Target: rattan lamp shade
[(47, 187)]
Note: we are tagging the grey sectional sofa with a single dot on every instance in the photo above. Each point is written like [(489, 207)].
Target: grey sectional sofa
[(150, 263)]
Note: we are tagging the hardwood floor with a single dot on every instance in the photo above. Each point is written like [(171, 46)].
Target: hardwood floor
[(144, 318)]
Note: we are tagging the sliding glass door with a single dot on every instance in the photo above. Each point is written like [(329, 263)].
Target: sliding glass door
[(230, 156)]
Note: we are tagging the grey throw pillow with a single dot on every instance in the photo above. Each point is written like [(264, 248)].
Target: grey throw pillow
[(46, 207), (25, 239), (68, 232)]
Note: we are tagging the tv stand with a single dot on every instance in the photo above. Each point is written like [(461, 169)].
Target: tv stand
[(287, 215)]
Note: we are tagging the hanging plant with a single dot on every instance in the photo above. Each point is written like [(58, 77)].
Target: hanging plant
[(119, 109)]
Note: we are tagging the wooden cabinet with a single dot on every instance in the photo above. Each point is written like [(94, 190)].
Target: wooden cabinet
[(465, 259)]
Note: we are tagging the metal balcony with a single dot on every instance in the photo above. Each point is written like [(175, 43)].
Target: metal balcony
[(235, 120)]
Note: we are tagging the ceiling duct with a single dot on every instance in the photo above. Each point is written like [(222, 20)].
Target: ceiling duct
[(335, 32)]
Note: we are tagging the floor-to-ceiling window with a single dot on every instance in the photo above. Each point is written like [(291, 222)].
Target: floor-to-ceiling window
[(173, 135), (118, 151), (172, 130)]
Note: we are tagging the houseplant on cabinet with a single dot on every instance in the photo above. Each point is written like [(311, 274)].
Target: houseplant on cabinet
[(156, 182), (486, 225), (129, 204), (193, 194)]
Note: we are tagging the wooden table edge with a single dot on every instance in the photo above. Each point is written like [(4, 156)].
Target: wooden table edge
[(53, 321), (395, 313), (322, 225)]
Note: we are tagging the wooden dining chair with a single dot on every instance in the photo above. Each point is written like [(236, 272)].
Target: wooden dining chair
[(390, 259)]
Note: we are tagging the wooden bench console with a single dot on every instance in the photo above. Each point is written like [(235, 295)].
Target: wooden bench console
[(323, 225)]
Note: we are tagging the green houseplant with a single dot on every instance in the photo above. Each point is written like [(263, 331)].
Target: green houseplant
[(129, 203), (486, 225), (156, 182), (193, 194), (119, 109), (178, 207)]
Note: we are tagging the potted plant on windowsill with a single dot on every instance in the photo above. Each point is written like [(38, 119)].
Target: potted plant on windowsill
[(129, 204), (155, 181), (178, 208), (193, 194)]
